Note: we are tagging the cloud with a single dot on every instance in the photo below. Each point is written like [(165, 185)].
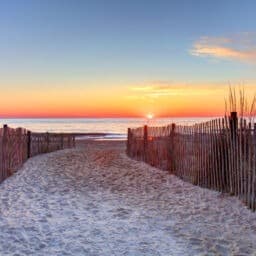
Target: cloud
[(162, 89), (240, 47)]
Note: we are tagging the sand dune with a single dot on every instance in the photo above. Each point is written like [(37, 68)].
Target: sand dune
[(94, 200)]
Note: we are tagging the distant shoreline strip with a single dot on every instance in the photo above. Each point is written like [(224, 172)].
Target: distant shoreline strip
[(101, 136)]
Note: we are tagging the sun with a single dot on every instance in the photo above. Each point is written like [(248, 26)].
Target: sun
[(150, 116)]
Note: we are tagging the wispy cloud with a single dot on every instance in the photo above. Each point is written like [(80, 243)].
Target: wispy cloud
[(240, 47), (162, 89)]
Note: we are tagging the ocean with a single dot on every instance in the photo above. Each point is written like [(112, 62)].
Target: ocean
[(93, 125)]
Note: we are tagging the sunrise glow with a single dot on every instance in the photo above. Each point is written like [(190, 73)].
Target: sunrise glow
[(150, 116), (129, 101), (130, 63)]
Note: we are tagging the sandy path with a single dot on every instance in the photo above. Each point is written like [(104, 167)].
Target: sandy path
[(94, 200)]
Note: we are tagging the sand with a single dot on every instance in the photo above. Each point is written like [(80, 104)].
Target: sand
[(94, 200)]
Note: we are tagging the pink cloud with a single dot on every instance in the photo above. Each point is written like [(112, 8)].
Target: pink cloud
[(240, 47)]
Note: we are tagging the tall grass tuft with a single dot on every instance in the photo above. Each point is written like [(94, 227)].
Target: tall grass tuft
[(246, 109)]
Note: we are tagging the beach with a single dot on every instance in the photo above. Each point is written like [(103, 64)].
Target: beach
[(94, 200)]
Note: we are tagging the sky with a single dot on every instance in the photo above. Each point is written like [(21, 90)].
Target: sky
[(64, 58)]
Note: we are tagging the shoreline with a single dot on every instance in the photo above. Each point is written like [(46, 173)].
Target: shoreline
[(100, 136)]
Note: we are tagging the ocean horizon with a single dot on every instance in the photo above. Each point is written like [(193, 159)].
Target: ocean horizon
[(95, 125)]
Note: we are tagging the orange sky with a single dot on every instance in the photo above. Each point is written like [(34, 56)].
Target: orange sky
[(159, 98)]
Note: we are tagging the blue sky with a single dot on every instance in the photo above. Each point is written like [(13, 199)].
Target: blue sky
[(136, 39)]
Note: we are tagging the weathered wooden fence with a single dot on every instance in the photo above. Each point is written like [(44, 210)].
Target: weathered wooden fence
[(219, 154), (17, 145)]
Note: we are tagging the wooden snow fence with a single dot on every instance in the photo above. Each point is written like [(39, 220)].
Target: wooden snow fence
[(49, 142), (17, 145), (219, 154)]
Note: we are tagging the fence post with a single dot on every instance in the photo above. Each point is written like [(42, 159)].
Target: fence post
[(61, 141), (20, 149), (171, 150), (47, 142), (69, 142), (1, 158), (233, 133), (5, 128), (28, 144), (4, 152), (233, 125), (73, 141), (128, 141), (254, 165), (145, 138)]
